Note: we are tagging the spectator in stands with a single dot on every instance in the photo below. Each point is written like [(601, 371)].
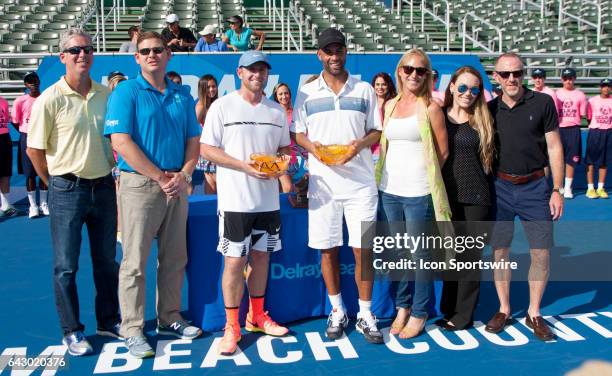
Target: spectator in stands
[(282, 95), (538, 76), (466, 174), (527, 140), (345, 190), (599, 140), (385, 90), (81, 187), (114, 78), (572, 108), (207, 93), (6, 161), (238, 38), (249, 226), (22, 108), (157, 173), (130, 46), (208, 42), (413, 150), (178, 39), (437, 95), (175, 77)]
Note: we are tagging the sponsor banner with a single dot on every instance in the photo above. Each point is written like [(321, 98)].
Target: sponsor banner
[(293, 69)]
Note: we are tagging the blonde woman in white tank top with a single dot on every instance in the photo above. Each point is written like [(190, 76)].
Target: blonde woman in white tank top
[(405, 194)]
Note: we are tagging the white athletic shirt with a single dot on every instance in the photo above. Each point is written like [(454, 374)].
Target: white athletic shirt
[(241, 129), (338, 119), (405, 172)]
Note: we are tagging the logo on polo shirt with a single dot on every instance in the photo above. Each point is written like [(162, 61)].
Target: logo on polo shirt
[(112, 123), (177, 98)]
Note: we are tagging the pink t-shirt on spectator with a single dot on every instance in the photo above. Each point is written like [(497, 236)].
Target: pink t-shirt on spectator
[(22, 108), (599, 110), (572, 107), (4, 116), (551, 92)]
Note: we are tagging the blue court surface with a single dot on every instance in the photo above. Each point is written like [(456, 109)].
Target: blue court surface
[(580, 311)]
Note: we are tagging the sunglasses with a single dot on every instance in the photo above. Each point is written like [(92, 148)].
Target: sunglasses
[(147, 51), (506, 74), (475, 90), (409, 69), (77, 50)]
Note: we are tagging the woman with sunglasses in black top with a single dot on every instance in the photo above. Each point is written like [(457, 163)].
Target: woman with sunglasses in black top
[(466, 176)]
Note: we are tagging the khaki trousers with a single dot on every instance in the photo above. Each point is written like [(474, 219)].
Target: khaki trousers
[(145, 213)]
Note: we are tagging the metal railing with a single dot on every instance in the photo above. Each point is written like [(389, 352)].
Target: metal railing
[(115, 11), (582, 20), (463, 26), (542, 6), (292, 15), (445, 21)]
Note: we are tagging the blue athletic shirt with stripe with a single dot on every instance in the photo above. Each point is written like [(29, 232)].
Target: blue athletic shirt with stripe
[(159, 123)]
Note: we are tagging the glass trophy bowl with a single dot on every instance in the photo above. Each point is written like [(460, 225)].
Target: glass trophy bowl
[(270, 164), (333, 154)]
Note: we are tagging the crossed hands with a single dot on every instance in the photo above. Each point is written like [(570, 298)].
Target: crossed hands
[(173, 183)]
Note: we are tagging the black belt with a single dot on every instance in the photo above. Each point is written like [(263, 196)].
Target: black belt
[(79, 180)]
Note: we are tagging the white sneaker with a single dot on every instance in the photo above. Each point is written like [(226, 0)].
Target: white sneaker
[(33, 212), (44, 208), (568, 193)]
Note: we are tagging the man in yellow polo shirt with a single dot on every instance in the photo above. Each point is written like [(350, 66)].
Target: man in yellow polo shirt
[(71, 155)]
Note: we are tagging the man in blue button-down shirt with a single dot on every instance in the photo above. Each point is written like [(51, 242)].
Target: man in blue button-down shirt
[(152, 125)]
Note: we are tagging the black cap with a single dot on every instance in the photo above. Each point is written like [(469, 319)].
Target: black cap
[(31, 77), (435, 73), (568, 73), (331, 36), (605, 82), (538, 73), (236, 19)]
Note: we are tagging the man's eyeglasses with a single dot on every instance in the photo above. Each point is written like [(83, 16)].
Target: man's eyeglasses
[(77, 50), (475, 90), (409, 69), (506, 74), (147, 51)]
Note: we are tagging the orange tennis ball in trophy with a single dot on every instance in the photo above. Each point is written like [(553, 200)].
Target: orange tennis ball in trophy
[(333, 154)]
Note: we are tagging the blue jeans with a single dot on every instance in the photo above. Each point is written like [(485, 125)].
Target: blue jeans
[(72, 204), (415, 211)]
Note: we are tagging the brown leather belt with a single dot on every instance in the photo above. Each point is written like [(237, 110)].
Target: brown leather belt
[(521, 179)]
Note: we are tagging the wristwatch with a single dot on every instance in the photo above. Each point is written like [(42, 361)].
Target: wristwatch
[(186, 176), (561, 191)]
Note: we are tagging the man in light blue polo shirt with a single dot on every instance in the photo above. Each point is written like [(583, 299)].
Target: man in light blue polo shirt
[(209, 42), (152, 125)]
